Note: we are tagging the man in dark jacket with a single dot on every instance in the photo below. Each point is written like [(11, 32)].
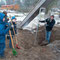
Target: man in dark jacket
[(49, 25), (3, 32)]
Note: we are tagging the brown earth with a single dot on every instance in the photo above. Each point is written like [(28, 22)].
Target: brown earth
[(29, 51)]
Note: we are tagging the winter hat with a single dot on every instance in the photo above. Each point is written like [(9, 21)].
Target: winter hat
[(13, 17)]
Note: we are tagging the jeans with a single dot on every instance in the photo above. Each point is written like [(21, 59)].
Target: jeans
[(48, 35), (2, 49), (10, 43)]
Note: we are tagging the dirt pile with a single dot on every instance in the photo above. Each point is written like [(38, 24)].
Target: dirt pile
[(27, 39), (30, 52), (54, 36)]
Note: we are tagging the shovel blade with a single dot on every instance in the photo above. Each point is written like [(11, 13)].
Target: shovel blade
[(14, 52), (17, 46)]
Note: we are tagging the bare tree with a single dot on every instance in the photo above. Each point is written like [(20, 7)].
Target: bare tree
[(27, 5)]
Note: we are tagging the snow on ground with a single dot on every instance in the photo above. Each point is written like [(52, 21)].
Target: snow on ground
[(33, 24), (19, 16)]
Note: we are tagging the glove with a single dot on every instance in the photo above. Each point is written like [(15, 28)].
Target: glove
[(9, 24)]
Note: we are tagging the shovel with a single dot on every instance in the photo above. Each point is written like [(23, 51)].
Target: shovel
[(14, 51)]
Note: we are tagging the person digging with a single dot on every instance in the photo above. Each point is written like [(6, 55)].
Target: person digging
[(50, 22), (13, 32), (3, 32)]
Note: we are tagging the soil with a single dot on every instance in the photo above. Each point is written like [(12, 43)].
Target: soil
[(29, 51)]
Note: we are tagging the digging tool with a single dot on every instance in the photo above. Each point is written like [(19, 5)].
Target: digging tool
[(15, 38), (36, 33), (14, 51)]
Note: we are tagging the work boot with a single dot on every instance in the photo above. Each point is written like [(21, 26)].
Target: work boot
[(45, 42), (2, 56)]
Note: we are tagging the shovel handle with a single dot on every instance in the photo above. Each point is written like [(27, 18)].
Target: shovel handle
[(15, 36), (11, 38), (14, 33)]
